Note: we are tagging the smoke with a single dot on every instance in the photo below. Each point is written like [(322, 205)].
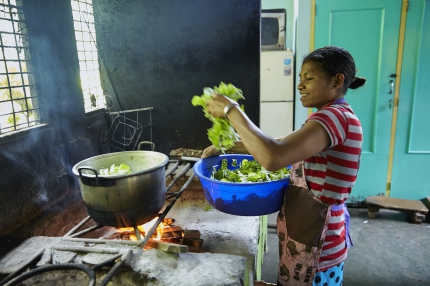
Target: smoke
[(33, 165)]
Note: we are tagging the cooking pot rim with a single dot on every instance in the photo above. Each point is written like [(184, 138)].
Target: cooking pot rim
[(137, 153)]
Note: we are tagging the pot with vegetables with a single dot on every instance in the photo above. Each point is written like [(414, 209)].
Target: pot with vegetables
[(123, 189)]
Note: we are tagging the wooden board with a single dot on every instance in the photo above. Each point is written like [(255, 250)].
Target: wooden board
[(415, 209), (397, 204)]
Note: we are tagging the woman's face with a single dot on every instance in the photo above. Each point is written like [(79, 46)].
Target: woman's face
[(315, 87)]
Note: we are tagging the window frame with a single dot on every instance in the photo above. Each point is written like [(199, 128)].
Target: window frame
[(21, 93)]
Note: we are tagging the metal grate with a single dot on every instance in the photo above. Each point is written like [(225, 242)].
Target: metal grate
[(83, 18), (19, 107), (126, 129)]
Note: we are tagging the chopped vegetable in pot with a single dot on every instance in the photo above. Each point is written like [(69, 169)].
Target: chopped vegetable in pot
[(248, 172), (115, 170)]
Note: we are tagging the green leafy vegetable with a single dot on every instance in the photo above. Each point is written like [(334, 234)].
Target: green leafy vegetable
[(115, 170), (222, 134), (248, 172)]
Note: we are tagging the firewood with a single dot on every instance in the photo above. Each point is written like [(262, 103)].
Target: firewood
[(194, 249), (197, 242), (172, 231), (192, 233), (168, 221), (176, 240), (167, 247)]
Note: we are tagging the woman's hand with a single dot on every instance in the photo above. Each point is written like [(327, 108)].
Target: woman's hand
[(210, 151), (217, 104)]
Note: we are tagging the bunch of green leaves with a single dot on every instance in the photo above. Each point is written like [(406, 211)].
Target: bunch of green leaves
[(248, 172), (222, 134), (115, 170)]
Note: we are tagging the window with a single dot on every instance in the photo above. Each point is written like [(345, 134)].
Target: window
[(19, 107), (83, 18)]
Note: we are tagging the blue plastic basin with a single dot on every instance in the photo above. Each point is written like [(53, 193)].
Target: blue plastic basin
[(244, 199)]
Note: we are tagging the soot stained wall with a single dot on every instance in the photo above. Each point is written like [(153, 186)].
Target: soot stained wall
[(161, 53), (35, 165), (158, 55)]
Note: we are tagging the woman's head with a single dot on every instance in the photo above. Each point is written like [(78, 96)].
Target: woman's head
[(325, 76), (336, 60)]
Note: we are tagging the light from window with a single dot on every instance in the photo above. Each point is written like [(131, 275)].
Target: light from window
[(85, 34), (19, 107)]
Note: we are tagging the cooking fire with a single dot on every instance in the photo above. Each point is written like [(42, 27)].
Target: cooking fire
[(165, 232)]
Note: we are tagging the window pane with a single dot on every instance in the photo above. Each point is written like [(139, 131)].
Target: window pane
[(29, 103), (8, 39), (5, 25), (4, 94), (21, 119), (21, 53), (10, 53), (14, 69), (12, 66), (5, 108), (7, 119), (27, 91), (2, 65), (17, 92), (24, 66), (87, 54), (19, 105), (15, 80), (6, 123), (25, 78), (78, 26), (3, 81), (79, 44)]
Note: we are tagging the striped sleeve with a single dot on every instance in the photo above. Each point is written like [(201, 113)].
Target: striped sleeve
[(334, 122)]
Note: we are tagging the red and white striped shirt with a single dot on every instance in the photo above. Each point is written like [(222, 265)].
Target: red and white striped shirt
[(331, 174)]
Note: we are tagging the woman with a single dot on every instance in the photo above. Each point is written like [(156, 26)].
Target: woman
[(313, 224)]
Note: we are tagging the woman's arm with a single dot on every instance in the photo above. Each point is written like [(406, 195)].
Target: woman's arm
[(268, 151), (238, 148)]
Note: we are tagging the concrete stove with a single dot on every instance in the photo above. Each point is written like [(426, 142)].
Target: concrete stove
[(228, 255)]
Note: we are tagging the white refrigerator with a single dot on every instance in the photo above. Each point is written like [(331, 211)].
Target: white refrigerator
[(276, 92)]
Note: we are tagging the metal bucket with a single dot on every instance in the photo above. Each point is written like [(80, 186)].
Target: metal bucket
[(125, 200)]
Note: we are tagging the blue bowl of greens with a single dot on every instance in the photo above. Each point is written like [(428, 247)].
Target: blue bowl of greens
[(238, 185)]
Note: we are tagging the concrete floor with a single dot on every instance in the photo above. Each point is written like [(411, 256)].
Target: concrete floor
[(388, 250)]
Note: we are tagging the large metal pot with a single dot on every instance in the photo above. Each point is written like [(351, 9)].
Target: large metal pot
[(125, 200)]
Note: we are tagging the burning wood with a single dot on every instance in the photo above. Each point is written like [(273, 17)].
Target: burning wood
[(172, 232), (168, 237)]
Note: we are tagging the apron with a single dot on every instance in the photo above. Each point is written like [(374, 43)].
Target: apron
[(301, 225)]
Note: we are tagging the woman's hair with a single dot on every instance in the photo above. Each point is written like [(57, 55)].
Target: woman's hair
[(334, 60)]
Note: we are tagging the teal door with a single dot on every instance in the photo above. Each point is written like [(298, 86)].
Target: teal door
[(369, 30), (412, 146)]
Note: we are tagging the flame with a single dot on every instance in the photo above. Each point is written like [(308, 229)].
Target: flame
[(144, 229)]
